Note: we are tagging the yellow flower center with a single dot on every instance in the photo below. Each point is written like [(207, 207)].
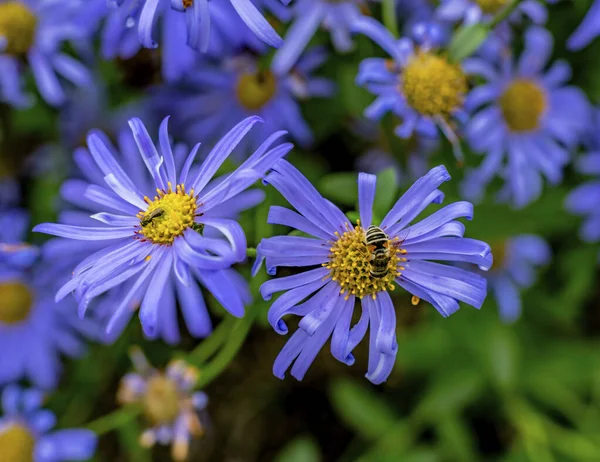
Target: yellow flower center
[(161, 402), (523, 103), (187, 3), (350, 264), (499, 253), (16, 444), (168, 215), (255, 90), (15, 302), (17, 26), (491, 6), (432, 85)]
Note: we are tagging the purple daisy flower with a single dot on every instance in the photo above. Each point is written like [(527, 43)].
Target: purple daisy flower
[(26, 431), (35, 30), (475, 11), (164, 237), (33, 328), (220, 93), (343, 269), (337, 17), (525, 115), (168, 401), (515, 263), (588, 30), (422, 88)]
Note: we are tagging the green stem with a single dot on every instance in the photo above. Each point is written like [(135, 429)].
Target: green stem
[(114, 420), (209, 346), (389, 16), (502, 15), (251, 252), (236, 338)]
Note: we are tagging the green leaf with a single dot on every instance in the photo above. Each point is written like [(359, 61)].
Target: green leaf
[(340, 188), (385, 193), (466, 40), (301, 449), (501, 356), (456, 436), (361, 408)]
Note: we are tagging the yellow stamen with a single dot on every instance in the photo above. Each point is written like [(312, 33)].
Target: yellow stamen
[(16, 444), (187, 3), (415, 300), (168, 215), (499, 253), (350, 265), (523, 103), (256, 90), (432, 85), (17, 26), (161, 402), (491, 6), (16, 301)]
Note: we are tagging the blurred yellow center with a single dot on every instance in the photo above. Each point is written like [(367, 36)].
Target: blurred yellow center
[(499, 254), (15, 302), (161, 401), (16, 444), (168, 215), (17, 26), (432, 85), (523, 103), (350, 265), (255, 90), (491, 6)]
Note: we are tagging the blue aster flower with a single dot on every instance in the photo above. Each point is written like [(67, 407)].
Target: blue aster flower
[(342, 273), (418, 85), (337, 17), (219, 93), (164, 237), (475, 11), (26, 431), (587, 30), (169, 403), (35, 30), (525, 115), (184, 22), (514, 269), (33, 328)]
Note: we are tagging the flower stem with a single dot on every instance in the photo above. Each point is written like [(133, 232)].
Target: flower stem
[(209, 346), (389, 16), (115, 419), (502, 15), (251, 252)]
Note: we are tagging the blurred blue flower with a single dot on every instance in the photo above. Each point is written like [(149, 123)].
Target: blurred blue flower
[(325, 296), (168, 401), (34, 330), (218, 94), (422, 88), (335, 16), (164, 235), (515, 263), (26, 431), (475, 11), (184, 22), (35, 30), (526, 115), (587, 30)]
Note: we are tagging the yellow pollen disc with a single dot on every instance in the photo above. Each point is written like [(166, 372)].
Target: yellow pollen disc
[(16, 444), (161, 402), (432, 85), (168, 215), (491, 6), (17, 26), (256, 90), (15, 302), (499, 253), (187, 3), (350, 265), (523, 103)]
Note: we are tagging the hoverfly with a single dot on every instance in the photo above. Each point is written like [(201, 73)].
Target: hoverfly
[(156, 213)]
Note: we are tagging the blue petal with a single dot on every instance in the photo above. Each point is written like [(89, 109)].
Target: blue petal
[(366, 195)]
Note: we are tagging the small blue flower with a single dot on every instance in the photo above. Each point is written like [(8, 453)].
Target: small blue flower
[(163, 235), (516, 261), (587, 30), (525, 115), (325, 296), (26, 431), (337, 17), (14, 253), (475, 11), (168, 401), (421, 87), (219, 93), (36, 30)]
